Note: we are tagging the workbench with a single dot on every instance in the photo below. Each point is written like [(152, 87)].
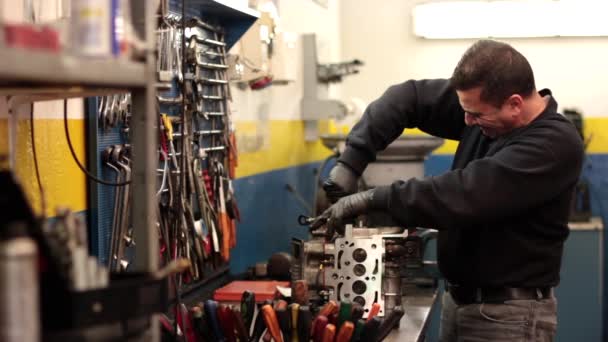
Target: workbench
[(418, 306)]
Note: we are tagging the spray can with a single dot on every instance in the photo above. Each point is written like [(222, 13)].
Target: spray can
[(91, 28), (19, 297)]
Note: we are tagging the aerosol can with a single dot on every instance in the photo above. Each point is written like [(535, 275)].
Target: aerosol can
[(19, 297)]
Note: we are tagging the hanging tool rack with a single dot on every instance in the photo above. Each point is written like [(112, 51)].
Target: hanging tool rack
[(28, 76), (196, 151)]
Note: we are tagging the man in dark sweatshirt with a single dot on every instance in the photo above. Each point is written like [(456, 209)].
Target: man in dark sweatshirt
[(502, 211)]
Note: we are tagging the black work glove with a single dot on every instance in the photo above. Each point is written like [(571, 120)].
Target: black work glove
[(346, 208), (342, 181)]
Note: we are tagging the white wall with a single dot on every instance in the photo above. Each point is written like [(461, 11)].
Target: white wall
[(282, 102), (379, 33)]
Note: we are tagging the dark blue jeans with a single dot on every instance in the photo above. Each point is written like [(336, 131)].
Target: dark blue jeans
[(513, 321)]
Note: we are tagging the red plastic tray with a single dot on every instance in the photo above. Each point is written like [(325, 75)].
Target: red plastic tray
[(263, 290)]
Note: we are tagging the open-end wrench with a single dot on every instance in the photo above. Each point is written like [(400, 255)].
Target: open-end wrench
[(107, 112), (115, 110), (122, 222), (100, 112), (177, 45), (170, 100), (107, 159), (123, 106), (114, 154)]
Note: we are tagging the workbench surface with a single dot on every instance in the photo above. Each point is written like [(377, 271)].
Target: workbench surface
[(417, 306)]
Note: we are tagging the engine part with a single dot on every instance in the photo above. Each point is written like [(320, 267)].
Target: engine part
[(279, 266), (361, 267)]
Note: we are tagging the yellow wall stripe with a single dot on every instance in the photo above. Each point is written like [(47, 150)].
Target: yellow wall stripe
[(263, 147), (279, 145), (266, 146), (64, 184)]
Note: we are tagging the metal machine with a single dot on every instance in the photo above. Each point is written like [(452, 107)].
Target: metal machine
[(363, 266), (369, 264)]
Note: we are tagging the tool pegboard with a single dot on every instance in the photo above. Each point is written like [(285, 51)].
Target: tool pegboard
[(197, 155)]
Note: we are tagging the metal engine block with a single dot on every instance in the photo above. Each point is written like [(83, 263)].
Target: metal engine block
[(362, 266)]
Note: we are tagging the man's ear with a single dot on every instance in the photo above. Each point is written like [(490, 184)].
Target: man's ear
[(515, 102)]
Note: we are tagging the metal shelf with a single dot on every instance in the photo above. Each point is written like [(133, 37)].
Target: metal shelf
[(26, 94), (32, 69)]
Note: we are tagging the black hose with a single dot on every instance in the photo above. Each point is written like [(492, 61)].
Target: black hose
[(40, 188), (82, 168)]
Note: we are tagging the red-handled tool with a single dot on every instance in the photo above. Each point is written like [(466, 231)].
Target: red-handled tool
[(318, 328), (226, 319), (329, 308), (373, 312), (329, 333), (346, 332)]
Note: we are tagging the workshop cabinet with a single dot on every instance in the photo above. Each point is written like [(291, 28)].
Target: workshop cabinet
[(579, 294)]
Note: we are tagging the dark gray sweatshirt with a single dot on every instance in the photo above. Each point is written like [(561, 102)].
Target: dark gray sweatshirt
[(502, 211)]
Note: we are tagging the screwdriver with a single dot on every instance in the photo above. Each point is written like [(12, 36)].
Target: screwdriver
[(226, 322), (211, 313), (258, 327), (329, 308), (241, 330), (200, 332), (247, 308), (390, 322), (329, 333), (357, 313), (318, 328), (280, 304), (294, 310), (304, 323), (344, 313), (284, 319), (374, 311), (333, 318), (346, 332), (300, 292), (186, 323), (270, 318), (370, 330), (358, 330)]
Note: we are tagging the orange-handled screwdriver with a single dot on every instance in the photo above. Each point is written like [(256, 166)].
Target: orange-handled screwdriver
[(329, 333), (346, 332), (270, 317), (374, 311), (329, 308)]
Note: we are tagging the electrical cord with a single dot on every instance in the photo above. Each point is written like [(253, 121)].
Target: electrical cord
[(82, 168), (40, 188)]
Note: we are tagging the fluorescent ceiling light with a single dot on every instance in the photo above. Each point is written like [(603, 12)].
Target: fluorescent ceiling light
[(510, 19)]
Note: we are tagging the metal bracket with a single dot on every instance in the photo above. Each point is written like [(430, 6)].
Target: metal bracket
[(314, 104)]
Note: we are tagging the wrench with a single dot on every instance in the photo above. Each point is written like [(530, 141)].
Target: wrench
[(107, 159), (124, 222)]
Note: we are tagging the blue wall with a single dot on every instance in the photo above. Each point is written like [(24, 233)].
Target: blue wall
[(269, 213)]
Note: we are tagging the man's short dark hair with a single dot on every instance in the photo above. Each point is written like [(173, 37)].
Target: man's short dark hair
[(498, 68)]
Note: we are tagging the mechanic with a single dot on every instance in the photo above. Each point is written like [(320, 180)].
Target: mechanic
[(502, 211)]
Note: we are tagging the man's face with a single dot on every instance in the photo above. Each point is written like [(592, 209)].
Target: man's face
[(492, 121)]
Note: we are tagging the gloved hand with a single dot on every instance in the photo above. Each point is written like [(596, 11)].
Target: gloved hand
[(347, 207), (342, 181)]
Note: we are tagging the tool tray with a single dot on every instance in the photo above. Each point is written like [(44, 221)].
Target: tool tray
[(129, 295)]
